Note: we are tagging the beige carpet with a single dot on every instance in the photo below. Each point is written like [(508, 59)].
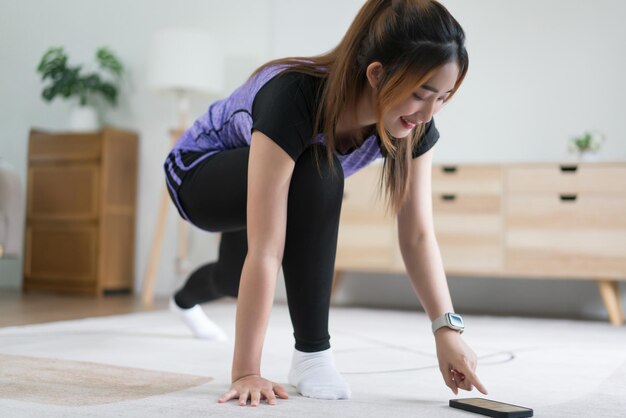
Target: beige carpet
[(147, 365), (80, 383)]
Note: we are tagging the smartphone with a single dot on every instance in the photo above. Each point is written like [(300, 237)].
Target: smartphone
[(491, 408)]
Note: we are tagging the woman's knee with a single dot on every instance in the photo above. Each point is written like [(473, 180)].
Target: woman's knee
[(316, 179)]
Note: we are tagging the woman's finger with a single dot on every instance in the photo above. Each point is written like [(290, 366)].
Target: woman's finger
[(447, 377), (231, 394), (269, 396), (473, 379), (243, 397), (460, 380), (278, 390), (255, 398)]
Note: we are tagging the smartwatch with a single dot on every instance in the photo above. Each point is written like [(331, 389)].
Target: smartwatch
[(450, 320)]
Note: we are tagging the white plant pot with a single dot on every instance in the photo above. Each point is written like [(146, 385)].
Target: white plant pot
[(588, 157), (84, 118)]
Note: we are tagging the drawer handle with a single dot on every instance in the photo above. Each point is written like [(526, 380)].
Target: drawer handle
[(448, 197), (568, 197), (569, 168), (449, 169)]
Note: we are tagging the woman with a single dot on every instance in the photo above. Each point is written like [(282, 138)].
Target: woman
[(266, 165)]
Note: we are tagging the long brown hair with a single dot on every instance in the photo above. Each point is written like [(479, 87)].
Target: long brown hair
[(412, 39)]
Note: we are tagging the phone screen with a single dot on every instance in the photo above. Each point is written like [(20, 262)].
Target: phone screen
[(493, 405)]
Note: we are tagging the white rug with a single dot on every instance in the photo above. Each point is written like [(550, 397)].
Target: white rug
[(147, 365)]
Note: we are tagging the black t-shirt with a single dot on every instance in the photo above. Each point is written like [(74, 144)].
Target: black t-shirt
[(285, 109)]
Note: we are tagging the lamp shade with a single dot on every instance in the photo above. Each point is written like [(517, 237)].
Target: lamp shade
[(185, 60)]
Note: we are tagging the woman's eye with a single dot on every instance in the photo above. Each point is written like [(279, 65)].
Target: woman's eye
[(416, 97)]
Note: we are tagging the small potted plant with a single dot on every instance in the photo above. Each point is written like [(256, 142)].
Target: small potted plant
[(72, 82), (586, 144)]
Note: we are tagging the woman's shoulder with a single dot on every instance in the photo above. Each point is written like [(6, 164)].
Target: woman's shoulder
[(296, 81), (290, 89)]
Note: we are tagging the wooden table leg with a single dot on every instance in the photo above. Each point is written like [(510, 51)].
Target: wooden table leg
[(147, 291), (609, 290), (182, 261), (337, 279)]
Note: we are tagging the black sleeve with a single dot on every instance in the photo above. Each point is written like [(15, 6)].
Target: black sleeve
[(428, 139), (284, 110)]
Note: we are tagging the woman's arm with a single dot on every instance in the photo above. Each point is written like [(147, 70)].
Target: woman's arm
[(418, 244), (269, 174), (420, 251)]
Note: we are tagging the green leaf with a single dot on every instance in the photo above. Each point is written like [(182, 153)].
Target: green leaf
[(48, 93), (109, 91), (108, 61), (52, 64)]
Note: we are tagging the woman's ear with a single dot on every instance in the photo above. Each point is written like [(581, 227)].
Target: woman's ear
[(374, 72)]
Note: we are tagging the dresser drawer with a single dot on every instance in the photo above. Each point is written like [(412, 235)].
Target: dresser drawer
[(63, 192), (469, 232), (582, 237), (574, 178), (64, 147), (61, 252), (365, 246), (366, 233), (467, 179)]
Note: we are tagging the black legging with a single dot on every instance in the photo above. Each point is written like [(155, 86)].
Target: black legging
[(214, 197)]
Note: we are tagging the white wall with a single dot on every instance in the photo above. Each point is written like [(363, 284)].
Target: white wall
[(540, 72)]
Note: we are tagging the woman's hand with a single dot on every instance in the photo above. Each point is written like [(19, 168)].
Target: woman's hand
[(457, 361), (255, 388)]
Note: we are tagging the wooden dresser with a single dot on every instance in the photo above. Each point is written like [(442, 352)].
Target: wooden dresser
[(81, 201), (544, 220)]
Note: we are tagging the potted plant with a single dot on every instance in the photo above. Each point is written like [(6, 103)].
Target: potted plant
[(73, 82), (586, 144)]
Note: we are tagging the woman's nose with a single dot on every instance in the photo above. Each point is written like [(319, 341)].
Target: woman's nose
[(425, 114)]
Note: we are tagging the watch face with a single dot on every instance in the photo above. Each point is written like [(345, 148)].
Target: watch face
[(456, 320)]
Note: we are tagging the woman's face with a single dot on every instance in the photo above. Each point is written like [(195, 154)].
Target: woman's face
[(423, 103)]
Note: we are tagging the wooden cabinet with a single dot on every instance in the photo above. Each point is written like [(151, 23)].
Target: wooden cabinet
[(81, 201), (522, 220)]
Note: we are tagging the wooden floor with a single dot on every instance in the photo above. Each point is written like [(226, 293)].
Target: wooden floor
[(17, 308)]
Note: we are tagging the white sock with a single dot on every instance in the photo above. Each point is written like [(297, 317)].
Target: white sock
[(201, 326), (314, 375)]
